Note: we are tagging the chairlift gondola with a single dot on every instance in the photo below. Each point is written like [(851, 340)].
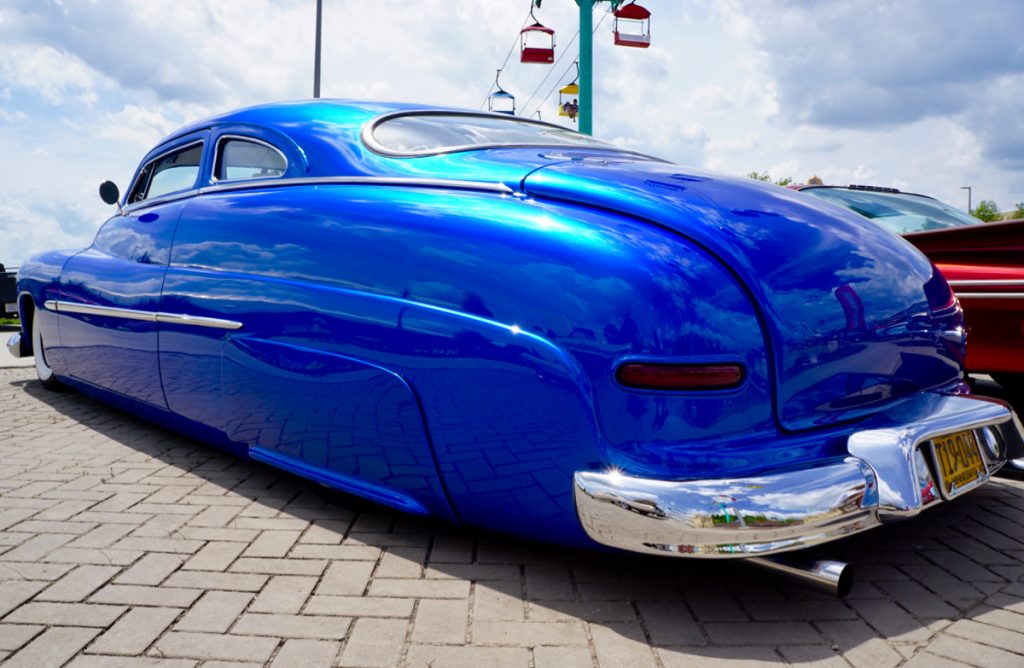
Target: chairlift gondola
[(569, 97), (632, 26), (536, 42), (501, 101)]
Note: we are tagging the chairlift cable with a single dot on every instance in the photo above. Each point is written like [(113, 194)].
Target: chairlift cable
[(560, 78), (509, 54), (552, 69)]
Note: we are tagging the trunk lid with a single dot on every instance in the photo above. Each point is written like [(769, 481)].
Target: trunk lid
[(856, 318)]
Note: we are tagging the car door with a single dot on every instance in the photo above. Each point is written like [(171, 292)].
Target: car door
[(109, 293), (251, 252)]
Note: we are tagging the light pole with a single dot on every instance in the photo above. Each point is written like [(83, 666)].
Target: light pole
[(316, 58), (968, 189)]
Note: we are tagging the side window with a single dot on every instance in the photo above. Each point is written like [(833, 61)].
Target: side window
[(247, 159), (167, 174)]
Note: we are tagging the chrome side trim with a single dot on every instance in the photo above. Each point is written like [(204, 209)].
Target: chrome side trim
[(197, 321), (986, 281), (107, 311), (989, 295), (146, 316), (887, 477), (224, 186)]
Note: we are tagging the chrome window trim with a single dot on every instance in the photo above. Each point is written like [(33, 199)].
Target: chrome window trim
[(131, 205), (413, 182), (58, 306), (367, 136), (216, 155)]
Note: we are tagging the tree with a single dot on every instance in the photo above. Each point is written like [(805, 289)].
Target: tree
[(987, 210), (1018, 212), (765, 177)]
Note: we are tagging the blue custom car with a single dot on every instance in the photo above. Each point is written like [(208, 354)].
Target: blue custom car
[(507, 324)]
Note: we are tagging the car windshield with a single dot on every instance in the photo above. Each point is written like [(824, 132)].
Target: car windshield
[(897, 212), (430, 133)]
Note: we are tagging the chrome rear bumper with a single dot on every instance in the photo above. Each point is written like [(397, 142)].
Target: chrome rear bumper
[(889, 475)]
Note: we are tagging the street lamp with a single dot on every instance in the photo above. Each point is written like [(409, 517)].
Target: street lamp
[(968, 189)]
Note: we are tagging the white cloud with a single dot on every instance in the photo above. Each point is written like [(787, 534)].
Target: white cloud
[(920, 94)]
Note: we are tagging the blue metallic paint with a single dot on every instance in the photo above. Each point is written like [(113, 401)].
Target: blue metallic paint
[(453, 351)]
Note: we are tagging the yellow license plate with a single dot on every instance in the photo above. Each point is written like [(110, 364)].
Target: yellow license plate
[(959, 461)]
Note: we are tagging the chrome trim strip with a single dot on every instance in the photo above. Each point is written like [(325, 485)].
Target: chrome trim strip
[(223, 186), (146, 316), (197, 321), (216, 154), (965, 282), (989, 295), (167, 196), (367, 136), (886, 477)]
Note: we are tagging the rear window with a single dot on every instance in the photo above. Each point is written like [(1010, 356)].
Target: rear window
[(897, 212), (424, 133)]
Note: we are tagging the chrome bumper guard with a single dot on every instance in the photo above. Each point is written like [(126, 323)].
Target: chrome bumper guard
[(889, 475), (14, 346)]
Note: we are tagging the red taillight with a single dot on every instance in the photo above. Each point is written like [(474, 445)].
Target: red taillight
[(650, 376)]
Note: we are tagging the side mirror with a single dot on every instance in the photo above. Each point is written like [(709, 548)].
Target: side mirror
[(109, 192)]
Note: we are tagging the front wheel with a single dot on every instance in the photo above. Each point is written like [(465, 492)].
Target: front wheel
[(43, 369)]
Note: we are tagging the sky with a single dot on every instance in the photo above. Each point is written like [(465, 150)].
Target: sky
[(922, 95)]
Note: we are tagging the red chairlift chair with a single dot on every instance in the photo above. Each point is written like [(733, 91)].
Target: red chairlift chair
[(632, 26), (537, 44)]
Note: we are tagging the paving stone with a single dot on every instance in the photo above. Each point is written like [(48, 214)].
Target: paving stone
[(215, 612), (135, 631), (151, 569), (375, 643), (78, 584), (761, 633), (53, 648), (622, 645), (359, 606), (272, 544), (13, 636), (216, 646), (15, 592), (112, 661), (227, 581), (214, 556), (292, 626), (143, 595), (284, 594), (306, 653), (723, 657), (345, 578), (279, 566), (562, 657), (440, 656), (66, 614), (440, 621), (401, 562), (988, 635), (973, 653), (420, 588)]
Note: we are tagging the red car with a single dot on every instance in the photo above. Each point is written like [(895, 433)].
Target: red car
[(984, 264)]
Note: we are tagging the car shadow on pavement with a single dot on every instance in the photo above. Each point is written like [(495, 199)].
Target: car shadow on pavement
[(914, 581)]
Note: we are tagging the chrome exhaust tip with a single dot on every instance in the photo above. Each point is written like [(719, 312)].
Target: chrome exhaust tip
[(833, 577)]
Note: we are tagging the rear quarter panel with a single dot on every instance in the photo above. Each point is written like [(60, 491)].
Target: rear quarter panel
[(504, 316)]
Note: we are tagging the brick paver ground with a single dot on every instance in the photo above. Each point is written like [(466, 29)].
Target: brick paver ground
[(124, 544)]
